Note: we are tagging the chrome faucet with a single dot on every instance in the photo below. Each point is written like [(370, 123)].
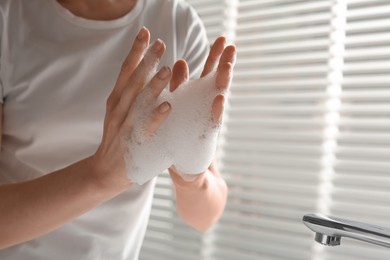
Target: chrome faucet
[(329, 230)]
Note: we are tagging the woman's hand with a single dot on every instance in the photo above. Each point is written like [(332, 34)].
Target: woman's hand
[(135, 73), (201, 199), (220, 55), (225, 58)]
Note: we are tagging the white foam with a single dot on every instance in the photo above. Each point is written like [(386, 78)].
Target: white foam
[(187, 139)]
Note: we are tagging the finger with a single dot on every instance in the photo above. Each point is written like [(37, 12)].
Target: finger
[(160, 81), (132, 60), (158, 117), (215, 52), (180, 74), (224, 76), (217, 108), (225, 68), (228, 55), (140, 76)]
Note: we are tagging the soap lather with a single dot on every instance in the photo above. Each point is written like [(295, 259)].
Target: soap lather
[(187, 139)]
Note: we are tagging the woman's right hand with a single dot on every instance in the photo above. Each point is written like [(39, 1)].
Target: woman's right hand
[(141, 62)]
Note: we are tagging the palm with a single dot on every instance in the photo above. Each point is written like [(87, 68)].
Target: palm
[(219, 55)]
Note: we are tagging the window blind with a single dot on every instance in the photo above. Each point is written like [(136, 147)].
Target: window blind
[(167, 236), (362, 166), (274, 132)]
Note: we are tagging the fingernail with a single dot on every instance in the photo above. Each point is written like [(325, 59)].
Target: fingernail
[(157, 45), (164, 72), (142, 33), (164, 107)]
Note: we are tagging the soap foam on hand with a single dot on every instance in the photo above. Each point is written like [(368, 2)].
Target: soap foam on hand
[(187, 139)]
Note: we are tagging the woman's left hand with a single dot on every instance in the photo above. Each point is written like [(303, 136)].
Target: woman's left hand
[(224, 58)]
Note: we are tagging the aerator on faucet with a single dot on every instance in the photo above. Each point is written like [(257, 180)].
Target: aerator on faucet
[(329, 230)]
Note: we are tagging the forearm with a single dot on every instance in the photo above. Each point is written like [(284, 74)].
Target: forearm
[(201, 203), (33, 208)]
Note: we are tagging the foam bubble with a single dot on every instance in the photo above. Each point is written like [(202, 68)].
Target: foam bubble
[(187, 139)]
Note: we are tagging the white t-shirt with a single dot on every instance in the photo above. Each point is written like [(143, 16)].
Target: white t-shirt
[(56, 72)]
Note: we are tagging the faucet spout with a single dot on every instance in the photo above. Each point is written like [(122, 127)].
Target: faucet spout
[(329, 230), (327, 240)]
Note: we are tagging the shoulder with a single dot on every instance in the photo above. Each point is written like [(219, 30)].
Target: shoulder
[(178, 9), (182, 30), (178, 13), (187, 32), (176, 19)]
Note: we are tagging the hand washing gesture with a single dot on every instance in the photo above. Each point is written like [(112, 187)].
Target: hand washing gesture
[(188, 137), (139, 138)]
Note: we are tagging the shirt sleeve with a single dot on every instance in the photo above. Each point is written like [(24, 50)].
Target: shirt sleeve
[(192, 39)]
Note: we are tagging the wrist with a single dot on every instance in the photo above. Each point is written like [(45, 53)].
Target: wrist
[(199, 182), (105, 179)]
